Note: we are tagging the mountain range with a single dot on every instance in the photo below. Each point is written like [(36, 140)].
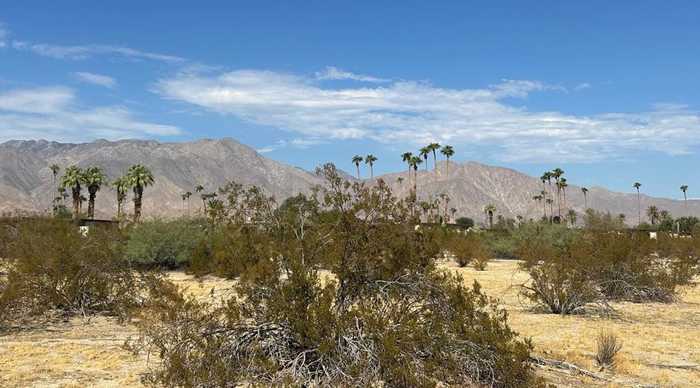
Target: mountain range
[(26, 181)]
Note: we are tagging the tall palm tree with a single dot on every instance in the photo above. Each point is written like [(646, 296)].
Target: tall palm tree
[(557, 174), (93, 178), (539, 198), (199, 189), (684, 189), (562, 187), (489, 210), (584, 190), (637, 185), (425, 152), (54, 171), (415, 162), (434, 147), (653, 214), (72, 179), (406, 157), (448, 151), (120, 185), (186, 197), (357, 159), (138, 178), (370, 159), (550, 202)]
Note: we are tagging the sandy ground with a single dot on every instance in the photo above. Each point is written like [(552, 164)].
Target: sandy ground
[(661, 342)]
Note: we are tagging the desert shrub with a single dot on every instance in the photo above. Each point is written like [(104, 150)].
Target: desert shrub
[(602, 222), (597, 267), (468, 249), (51, 265), (163, 243), (379, 313), (607, 345), (465, 222)]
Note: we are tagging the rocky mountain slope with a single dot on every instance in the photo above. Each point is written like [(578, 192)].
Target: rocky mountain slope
[(26, 180)]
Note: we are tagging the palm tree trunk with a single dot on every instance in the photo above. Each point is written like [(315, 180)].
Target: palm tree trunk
[(138, 197), (358, 170), (585, 201), (639, 209), (76, 204), (91, 203)]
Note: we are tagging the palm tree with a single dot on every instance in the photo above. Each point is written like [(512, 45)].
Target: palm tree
[(434, 147), (562, 186), (406, 157), (199, 189), (653, 214), (538, 198), (637, 185), (186, 197), (72, 179), (550, 201), (489, 210), (357, 159), (399, 180), (584, 190), (370, 159), (556, 174), (572, 217), (424, 152), (684, 189), (448, 151), (120, 185), (138, 178), (54, 171), (93, 178), (415, 162)]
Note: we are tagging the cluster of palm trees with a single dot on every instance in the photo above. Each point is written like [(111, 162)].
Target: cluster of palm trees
[(205, 197), (547, 196), (652, 211), (93, 178), (414, 161)]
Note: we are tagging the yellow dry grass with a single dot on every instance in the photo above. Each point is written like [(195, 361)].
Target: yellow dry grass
[(656, 337)]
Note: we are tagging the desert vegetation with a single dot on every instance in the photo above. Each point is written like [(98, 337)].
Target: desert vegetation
[(348, 285)]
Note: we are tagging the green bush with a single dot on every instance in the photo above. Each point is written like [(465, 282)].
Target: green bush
[(380, 314), (161, 243), (51, 265)]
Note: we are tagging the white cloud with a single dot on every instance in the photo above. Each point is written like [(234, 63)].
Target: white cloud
[(53, 113), (333, 73), (582, 86), (88, 51), (96, 79), (415, 113), (301, 143)]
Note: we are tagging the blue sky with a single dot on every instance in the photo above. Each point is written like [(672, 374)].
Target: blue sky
[(608, 91)]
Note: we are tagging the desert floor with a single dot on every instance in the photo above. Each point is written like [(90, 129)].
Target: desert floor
[(661, 343)]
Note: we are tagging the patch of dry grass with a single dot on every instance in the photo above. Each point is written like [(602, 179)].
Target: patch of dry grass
[(657, 338)]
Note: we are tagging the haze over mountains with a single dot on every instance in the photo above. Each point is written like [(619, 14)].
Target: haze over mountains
[(26, 180)]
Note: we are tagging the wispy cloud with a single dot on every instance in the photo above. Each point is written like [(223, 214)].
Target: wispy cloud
[(96, 79), (333, 73), (301, 143), (408, 112), (54, 113), (88, 51), (582, 86)]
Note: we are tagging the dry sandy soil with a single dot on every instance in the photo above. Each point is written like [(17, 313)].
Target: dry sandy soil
[(661, 342)]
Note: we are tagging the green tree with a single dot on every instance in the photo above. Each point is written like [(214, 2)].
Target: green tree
[(434, 147), (357, 159), (186, 198), (370, 159), (138, 178), (637, 185), (415, 162), (584, 190), (72, 179), (572, 216), (489, 210), (93, 179), (448, 151), (424, 153), (684, 189), (120, 185), (653, 214), (406, 157)]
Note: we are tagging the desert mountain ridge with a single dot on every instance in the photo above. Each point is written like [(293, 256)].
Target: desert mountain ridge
[(26, 182)]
